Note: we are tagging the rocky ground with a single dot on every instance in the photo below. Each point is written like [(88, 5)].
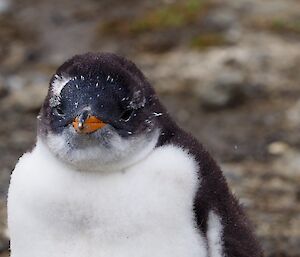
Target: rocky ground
[(228, 71)]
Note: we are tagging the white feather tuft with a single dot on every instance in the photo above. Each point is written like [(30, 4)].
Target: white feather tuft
[(58, 84), (214, 235)]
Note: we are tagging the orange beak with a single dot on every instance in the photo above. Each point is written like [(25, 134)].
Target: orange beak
[(88, 125)]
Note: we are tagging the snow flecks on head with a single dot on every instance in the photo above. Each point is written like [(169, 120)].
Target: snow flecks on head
[(156, 114), (110, 79), (58, 84), (138, 100)]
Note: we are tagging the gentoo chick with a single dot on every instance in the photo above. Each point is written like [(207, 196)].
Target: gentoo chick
[(112, 175)]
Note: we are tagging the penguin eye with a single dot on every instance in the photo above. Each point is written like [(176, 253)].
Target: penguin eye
[(126, 115), (59, 111)]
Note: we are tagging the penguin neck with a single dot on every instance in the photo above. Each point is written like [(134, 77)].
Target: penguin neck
[(169, 130), (138, 155)]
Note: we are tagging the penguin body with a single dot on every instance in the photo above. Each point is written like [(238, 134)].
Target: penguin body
[(99, 214), (112, 175)]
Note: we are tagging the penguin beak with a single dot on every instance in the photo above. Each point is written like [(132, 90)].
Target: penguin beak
[(86, 123)]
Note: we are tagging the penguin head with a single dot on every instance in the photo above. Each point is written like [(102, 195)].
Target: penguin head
[(100, 111)]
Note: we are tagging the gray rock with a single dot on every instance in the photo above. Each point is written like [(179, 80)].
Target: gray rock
[(223, 91), (233, 35), (27, 96), (221, 19), (4, 6)]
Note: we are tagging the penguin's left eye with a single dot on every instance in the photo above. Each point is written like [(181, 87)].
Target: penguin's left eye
[(59, 111), (126, 115)]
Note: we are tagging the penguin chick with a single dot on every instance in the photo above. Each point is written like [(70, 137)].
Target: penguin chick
[(112, 175)]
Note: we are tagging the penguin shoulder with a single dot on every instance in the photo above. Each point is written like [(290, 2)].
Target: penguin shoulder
[(172, 164), (25, 163), (173, 157)]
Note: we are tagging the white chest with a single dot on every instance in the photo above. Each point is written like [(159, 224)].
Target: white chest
[(145, 210)]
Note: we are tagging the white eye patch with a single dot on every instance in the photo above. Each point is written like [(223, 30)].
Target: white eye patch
[(58, 84)]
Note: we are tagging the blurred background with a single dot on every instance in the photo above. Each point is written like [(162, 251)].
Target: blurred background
[(228, 71)]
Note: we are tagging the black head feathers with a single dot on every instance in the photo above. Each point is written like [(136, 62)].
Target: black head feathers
[(110, 68)]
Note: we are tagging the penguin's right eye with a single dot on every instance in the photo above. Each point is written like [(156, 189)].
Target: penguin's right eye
[(126, 115), (58, 110)]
